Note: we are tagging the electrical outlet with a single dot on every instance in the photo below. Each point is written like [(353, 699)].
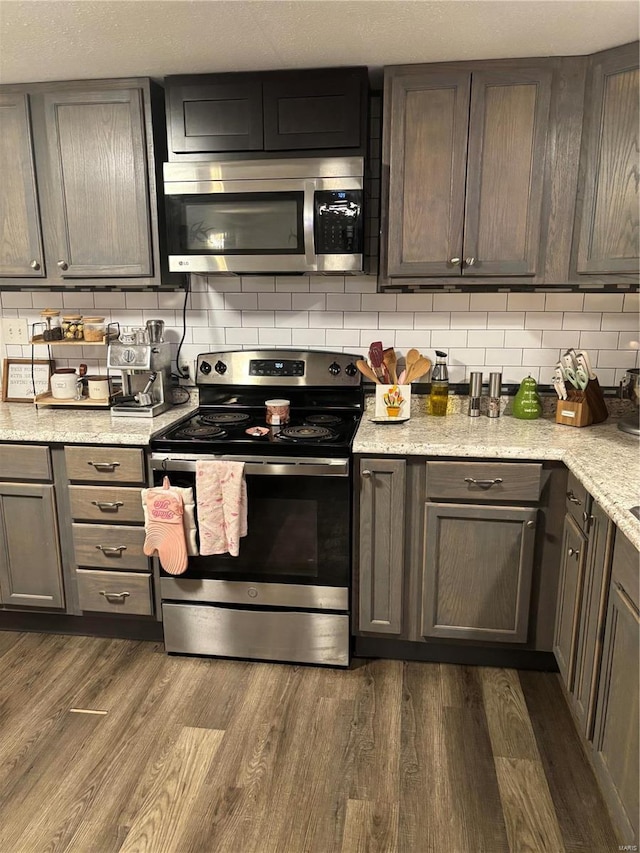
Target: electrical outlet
[(15, 330)]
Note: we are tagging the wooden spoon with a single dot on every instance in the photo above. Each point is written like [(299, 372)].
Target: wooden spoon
[(419, 367), (412, 356), (391, 361), (365, 370)]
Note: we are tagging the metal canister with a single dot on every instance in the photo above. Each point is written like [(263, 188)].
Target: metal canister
[(475, 393), (495, 386)]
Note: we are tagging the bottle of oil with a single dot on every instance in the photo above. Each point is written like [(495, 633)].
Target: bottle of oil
[(439, 385)]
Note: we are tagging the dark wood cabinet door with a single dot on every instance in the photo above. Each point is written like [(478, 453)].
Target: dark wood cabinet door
[(426, 123), (574, 555), (505, 172), (592, 615), (214, 114), (608, 223), (98, 183), (314, 109), (616, 744), (30, 565), (21, 244), (477, 572), (381, 545)]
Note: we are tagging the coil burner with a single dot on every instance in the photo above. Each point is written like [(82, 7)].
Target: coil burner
[(307, 432), (201, 432), (225, 419), (323, 420)]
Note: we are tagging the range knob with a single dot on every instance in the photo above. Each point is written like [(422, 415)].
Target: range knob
[(351, 369), (220, 368), (334, 369), (205, 368)]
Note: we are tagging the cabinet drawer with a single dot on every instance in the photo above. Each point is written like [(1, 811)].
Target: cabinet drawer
[(115, 592), (484, 481), (104, 503), (110, 546), (577, 500), (24, 462), (105, 464)]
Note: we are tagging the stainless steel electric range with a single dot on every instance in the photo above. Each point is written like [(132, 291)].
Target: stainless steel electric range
[(285, 597)]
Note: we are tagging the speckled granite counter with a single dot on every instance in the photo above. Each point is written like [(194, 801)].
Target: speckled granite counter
[(604, 459), (23, 422)]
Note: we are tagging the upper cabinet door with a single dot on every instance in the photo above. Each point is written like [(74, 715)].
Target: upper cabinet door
[(609, 220), (505, 174), (214, 115), (21, 243), (99, 188), (427, 130), (314, 109)]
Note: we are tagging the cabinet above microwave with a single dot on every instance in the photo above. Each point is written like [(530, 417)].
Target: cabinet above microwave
[(263, 114)]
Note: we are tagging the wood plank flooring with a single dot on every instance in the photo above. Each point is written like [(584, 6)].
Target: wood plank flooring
[(214, 756)]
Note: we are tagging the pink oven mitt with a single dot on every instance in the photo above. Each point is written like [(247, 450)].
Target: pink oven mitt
[(164, 530)]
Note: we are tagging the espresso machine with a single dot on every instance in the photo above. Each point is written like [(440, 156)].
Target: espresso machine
[(146, 378)]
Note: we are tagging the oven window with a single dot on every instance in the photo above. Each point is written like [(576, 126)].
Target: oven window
[(298, 532), (246, 224)]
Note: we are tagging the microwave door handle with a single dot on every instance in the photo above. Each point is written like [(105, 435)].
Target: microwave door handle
[(307, 222)]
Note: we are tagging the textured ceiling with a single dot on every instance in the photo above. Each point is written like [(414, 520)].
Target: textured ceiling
[(76, 39)]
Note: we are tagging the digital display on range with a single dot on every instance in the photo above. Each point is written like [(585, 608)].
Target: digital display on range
[(271, 367)]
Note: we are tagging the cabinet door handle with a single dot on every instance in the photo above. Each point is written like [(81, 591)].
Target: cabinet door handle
[(104, 467), (484, 484), (115, 596), (111, 550), (35, 265), (573, 552), (106, 505), (469, 261), (366, 474), (531, 523), (573, 498), (455, 260), (63, 265)]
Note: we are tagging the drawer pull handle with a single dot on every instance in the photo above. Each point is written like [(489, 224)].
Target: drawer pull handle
[(484, 484), (574, 553), (107, 505), (111, 551), (105, 467), (573, 498), (115, 596)]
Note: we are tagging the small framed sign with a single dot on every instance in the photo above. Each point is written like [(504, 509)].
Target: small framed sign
[(23, 378)]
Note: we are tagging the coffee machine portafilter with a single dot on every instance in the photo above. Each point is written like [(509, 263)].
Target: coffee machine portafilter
[(143, 393)]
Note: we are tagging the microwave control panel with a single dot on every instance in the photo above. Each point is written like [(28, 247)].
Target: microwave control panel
[(339, 222)]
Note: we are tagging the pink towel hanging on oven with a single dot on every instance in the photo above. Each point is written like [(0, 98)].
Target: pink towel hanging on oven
[(221, 499)]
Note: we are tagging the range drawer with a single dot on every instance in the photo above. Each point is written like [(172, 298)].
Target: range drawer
[(105, 464), (115, 592), (110, 546), (578, 503), (105, 503), (484, 481), (24, 462)]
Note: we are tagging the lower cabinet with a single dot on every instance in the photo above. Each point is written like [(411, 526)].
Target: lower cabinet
[(574, 557), (30, 564), (477, 572)]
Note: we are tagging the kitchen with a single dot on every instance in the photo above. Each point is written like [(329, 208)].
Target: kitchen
[(517, 331)]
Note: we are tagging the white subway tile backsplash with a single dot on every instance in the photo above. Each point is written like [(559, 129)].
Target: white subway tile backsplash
[(468, 320), (308, 301), (632, 302), (488, 302), (139, 300), (415, 302), (432, 320), (523, 338), (274, 301), (343, 301), (465, 357), (395, 320), (210, 335), (367, 336), (225, 318), (603, 301), (607, 376), (258, 284), (199, 318), (516, 373), (485, 338), (627, 340), (564, 302), (629, 322), (128, 317), (242, 336), (292, 319), (274, 337), (292, 284), (207, 299), (598, 340), (108, 300), (446, 338), (360, 284), (505, 320), (525, 302), (406, 339), (615, 358), (78, 300), (326, 284), (541, 357), (451, 301), (543, 320), (241, 301), (308, 338), (503, 356), (582, 321), (326, 319), (379, 302), (224, 283), (347, 338), (361, 320), (259, 319), (560, 339)]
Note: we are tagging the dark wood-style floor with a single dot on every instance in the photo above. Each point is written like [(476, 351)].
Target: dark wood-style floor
[(199, 756)]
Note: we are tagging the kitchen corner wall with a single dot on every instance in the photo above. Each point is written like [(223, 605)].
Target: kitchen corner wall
[(518, 333)]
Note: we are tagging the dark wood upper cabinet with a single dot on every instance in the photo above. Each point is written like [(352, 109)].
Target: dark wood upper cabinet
[(267, 112), (21, 251), (466, 157), (608, 216)]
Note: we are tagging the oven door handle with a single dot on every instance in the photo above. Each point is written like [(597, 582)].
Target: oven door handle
[(326, 468)]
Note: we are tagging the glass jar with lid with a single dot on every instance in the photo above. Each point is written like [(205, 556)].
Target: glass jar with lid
[(94, 329), (72, 327), (51, 322)]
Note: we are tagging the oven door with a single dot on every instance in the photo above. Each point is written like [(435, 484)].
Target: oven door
[(298, 521)]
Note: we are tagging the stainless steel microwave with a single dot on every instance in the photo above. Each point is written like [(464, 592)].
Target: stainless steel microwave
[(266, 216)]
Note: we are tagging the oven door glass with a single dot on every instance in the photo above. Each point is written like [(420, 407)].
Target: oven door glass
[(298, 532), (236, 224)]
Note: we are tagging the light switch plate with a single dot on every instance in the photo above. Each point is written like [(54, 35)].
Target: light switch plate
[(15, 330)]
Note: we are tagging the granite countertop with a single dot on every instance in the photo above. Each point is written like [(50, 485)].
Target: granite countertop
[(50, 425), (604, 459)]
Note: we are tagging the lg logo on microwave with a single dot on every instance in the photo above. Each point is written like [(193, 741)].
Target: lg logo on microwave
[(183, 263)]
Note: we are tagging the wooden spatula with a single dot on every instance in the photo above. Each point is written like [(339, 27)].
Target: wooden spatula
[(376, 357), (365, 370), (391, 361)]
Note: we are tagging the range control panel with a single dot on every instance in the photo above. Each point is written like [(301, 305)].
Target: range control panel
[(275, 367), (279, 368)]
